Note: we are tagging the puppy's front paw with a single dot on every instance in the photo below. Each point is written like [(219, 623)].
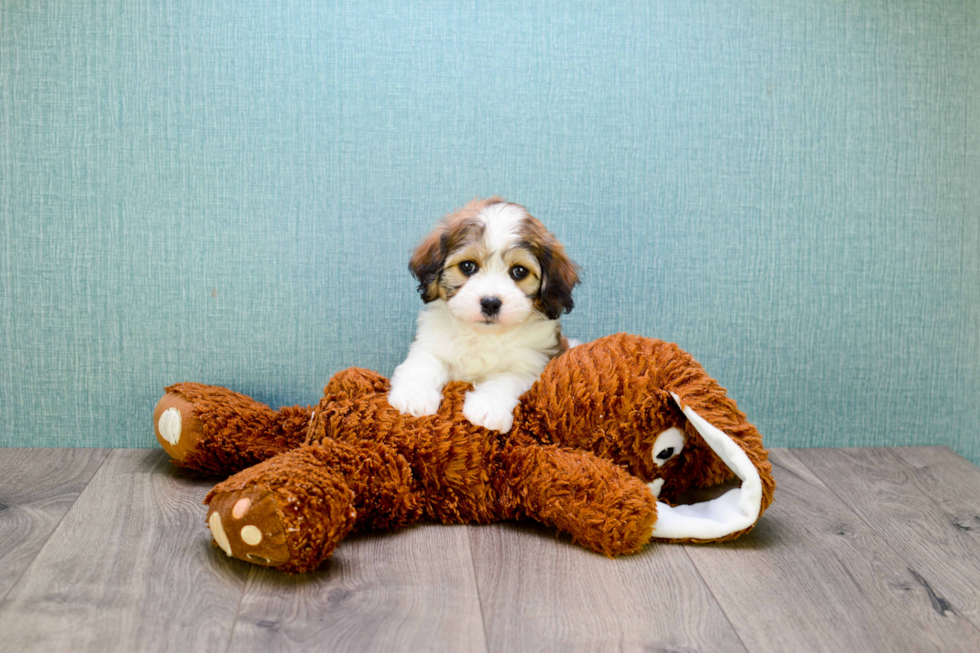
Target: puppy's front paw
[(415, 400), (489, 411)]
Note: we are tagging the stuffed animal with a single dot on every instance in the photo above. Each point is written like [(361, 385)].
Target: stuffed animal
[(602, 447)]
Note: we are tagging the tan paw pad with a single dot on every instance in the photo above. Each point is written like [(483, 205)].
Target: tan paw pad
[(218, 532), (251, 535), (169, 426), (241, 507)]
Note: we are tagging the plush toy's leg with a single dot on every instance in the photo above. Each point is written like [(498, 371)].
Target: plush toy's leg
[(288, 512), (291, 511), (601, 505), (214, 430)]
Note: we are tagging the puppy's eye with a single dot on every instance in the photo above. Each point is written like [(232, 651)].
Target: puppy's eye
[(468, 268), (518, 272)]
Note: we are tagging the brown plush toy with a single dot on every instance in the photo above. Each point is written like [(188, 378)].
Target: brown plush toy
[(602, 446)]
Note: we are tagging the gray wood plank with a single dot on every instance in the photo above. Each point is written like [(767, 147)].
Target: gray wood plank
[(813, 576), (925, 502), (542, 593), (411, 590), (37, 488), (129, 568)]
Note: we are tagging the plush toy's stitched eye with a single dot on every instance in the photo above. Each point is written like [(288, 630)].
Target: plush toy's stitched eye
[(667, 446), (518, 272), (468, 268)]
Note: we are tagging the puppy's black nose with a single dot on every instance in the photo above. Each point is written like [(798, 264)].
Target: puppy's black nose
[(490, 306)]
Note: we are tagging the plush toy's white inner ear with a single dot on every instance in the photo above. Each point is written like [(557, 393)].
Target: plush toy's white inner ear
[(733, 511)]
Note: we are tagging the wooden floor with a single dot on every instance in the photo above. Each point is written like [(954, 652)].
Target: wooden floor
[(863, 550)]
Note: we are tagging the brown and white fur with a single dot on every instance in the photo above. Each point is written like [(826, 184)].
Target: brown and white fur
[(495, 282)]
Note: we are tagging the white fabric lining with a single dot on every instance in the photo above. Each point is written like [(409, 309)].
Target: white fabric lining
[(733, 511)]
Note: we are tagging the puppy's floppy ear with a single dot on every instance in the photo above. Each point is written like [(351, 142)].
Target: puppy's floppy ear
[(427, 261), (559, 275)]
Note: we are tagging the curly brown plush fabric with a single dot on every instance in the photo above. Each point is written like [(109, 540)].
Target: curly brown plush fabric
[(579, 456), (570, 405)]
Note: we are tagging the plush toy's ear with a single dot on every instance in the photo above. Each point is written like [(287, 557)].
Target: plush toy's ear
[(728, 515), (427, 261)]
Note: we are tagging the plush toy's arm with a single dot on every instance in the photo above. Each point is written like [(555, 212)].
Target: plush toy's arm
[(213, 430), (601, 505)]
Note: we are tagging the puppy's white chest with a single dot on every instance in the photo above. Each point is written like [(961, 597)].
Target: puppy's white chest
[(473, 360)]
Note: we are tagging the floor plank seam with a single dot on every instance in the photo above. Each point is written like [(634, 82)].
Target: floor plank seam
[(909, 566), (476, 584), (238, 611), (54, 530), (714, 598)]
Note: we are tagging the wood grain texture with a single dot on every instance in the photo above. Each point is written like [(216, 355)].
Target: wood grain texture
[(129, 568), (926, 503), (813, 576), (37, 488), (541, 593), (863, 550), (412, 590)]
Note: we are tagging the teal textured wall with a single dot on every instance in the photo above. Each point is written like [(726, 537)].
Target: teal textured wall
[(228, 191)]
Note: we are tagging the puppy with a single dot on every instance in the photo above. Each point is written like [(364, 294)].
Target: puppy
[(494, 282)]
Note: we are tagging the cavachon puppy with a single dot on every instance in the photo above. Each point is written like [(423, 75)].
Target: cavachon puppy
[(494, 282)]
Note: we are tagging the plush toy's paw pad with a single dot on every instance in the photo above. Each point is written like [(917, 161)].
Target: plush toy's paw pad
[(246, 525), (489, 411), (177, 429), (415, 400)]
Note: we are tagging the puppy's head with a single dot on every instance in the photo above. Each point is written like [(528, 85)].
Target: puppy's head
[(495, 264)]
